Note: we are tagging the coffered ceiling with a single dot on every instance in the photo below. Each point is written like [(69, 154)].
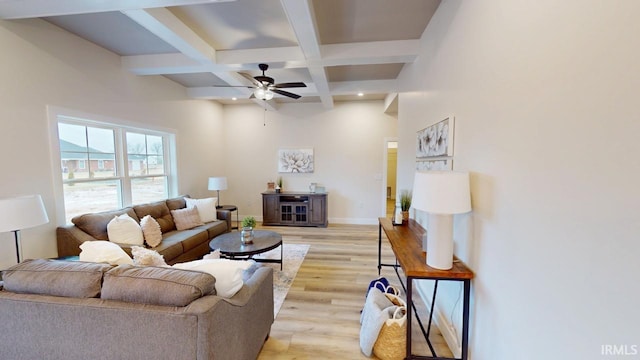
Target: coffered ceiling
[(338, 48)]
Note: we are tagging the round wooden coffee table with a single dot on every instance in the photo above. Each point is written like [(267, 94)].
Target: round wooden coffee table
[(231, 247)]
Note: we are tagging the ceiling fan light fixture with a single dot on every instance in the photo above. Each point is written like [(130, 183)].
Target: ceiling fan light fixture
[(263, 94)]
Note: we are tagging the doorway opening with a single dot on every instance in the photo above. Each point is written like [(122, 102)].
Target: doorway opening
[(390, 172)]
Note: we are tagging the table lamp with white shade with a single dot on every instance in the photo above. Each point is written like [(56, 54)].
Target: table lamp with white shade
[(216, 184), (441, 194), (21, 212)]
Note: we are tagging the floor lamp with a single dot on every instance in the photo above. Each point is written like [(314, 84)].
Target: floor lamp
[(22, 212), (441, 194), (217, 184)]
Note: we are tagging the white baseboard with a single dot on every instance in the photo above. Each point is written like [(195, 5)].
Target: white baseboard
[(346, 221), (448, 330)]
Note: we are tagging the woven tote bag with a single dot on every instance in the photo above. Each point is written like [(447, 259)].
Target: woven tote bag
[(391, 343)]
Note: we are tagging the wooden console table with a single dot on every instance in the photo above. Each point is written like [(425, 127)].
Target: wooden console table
[(406, 242)]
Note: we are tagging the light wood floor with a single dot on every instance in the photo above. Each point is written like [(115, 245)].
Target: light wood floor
[(320, 318)]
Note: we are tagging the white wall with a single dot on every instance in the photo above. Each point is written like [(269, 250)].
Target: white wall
[(43, 65), (545, 99), (348, 143)]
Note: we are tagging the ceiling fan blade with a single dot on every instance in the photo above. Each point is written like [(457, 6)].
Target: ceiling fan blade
[(250, 78), (286, 93), (290, 85)]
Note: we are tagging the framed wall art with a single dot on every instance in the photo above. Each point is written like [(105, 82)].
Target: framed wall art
[(440, 164), (436, 140), (295, 160)]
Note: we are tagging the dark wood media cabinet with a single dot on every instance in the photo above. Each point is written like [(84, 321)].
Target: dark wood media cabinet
[(294, 208)]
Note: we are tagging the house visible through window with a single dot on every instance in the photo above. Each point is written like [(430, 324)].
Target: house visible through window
[(98, 174)]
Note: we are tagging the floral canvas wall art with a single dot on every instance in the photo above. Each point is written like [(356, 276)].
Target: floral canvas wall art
[(443, 164), (295, 160), (436, 140)]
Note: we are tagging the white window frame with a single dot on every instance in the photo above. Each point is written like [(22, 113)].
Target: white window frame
[(120, 128)]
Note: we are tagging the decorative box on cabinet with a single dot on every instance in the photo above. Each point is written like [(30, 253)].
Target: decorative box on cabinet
[(294, 208)]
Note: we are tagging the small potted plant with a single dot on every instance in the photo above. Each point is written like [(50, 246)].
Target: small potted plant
[(405, 204), (248, 223), (279, 184)]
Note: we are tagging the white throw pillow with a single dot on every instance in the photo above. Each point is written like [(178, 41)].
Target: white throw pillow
[(124, 230), (206, 208), (151, 231), (147, 257), (228, 273), (104, 252)]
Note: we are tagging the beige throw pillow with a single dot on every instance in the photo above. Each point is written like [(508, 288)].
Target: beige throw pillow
[(206, 208), (151, 231), (186, 218), (124, 230)]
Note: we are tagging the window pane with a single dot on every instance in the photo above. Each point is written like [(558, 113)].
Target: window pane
[(154, 145), (155, 165), (71, 165), (103, 195), (101, 140), (137, 165), (102, 165), (148, 189), (136, 143), (72, 137)]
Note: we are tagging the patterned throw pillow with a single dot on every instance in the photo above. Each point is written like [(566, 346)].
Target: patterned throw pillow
[(186, 218), (151, 231)]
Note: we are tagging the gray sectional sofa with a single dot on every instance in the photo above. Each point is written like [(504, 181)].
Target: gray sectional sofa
[(177, 245), (52, 309)]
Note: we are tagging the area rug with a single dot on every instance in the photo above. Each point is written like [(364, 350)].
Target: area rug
[(292, 259)]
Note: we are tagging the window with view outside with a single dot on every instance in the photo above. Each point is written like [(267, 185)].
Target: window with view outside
[(98, 175), (88, 188), (146, 167)]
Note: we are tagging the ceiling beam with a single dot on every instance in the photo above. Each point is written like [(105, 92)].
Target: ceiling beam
[(367, 53), (193, 49), (300, 15), (24, 9), (365, 87), (162, 23)]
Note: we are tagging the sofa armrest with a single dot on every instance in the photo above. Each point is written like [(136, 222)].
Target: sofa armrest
[(226, 216), (249, 312), (69, 239)]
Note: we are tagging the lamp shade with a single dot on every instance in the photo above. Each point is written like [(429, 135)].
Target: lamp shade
[(441, 192), (218, 183), (22, 212)]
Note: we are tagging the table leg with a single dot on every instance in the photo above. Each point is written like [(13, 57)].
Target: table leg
[(465, 319), (379, 248), (237, 227), (409, 306)]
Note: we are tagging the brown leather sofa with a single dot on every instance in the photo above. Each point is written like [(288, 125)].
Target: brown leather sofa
[(177, 245)]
